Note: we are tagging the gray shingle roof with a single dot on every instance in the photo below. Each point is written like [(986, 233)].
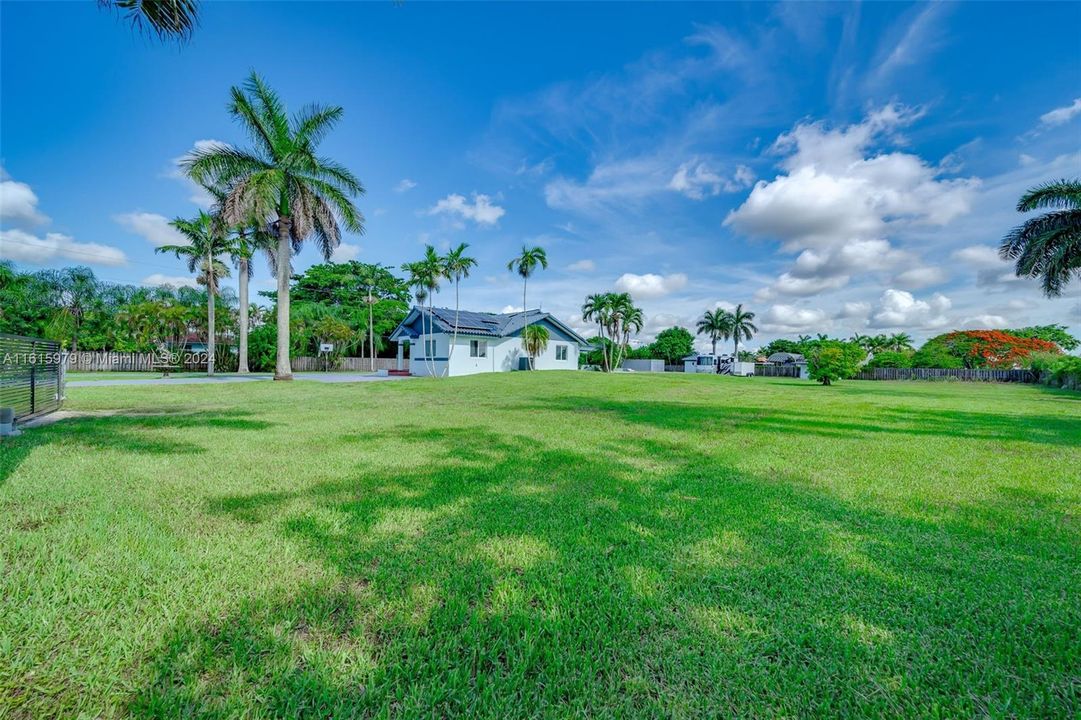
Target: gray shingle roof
[(489, 324)]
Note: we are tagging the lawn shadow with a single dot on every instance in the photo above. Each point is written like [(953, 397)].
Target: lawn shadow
[(490, 575), (141, 433), (914, 421)]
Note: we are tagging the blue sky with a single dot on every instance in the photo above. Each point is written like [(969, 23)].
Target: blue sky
[(838, 168)]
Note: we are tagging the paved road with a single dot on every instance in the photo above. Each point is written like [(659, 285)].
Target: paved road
[(315, 377)]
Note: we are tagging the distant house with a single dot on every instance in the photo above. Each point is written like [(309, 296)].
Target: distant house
[(487, 342), (784, 358)]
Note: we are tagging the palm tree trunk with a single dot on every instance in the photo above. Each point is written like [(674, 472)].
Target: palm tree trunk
[(525, 282), (211, 346), (714, 347), (735, 355), (457, 305), (282, 369), (242, 367), (371, 331)]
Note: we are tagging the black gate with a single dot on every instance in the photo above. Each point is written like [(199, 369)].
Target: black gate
[(31, 379)]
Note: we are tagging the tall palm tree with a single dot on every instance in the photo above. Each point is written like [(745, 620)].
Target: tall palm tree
[(742, 327), (369, 278), (630, 320), (424, 276), (206, 241), (245, 243), (309, 194), (457, 266), (525, 265), (535, 341), (598, 308), (169, 19), (1049, 246), (717, 324)]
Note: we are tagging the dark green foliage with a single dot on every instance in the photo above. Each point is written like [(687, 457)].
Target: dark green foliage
[(891, 359), (830, 360), (672, 345), (1048, 247), (1052, 333)]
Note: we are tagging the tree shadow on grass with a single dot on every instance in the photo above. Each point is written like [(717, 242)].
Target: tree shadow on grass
[(919, 422), (145, 433), (492, 576)]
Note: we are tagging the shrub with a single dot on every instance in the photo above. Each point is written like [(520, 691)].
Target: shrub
[(1062, 371), (891, 359), (673, 345), (834, 360)]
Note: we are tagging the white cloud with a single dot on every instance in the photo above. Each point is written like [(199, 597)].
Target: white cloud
[(18, 203), (783, 318), (345, 252), (586, 265), (198, 194), (154, 228), (511, 309), (899, 309), (1062, 115), (173, 280), (921, 277), (981, 257), (838, 200), (984, 322), (650, 285), (481, 211), (22, 246), (859, 311), (404, 185), (697, 180)]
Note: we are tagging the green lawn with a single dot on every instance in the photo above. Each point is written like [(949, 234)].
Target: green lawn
[(546, 545)]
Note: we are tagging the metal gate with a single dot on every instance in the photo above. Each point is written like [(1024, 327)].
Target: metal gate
[(31, 375)]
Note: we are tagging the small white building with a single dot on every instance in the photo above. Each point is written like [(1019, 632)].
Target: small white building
[(486, 342)]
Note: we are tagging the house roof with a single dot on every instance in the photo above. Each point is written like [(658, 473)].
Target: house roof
[(479, 323), (784, 357)]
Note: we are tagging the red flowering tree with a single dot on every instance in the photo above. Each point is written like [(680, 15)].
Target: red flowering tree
[(986, 348)]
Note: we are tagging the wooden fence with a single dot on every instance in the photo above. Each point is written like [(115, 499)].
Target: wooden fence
[(965, 374)]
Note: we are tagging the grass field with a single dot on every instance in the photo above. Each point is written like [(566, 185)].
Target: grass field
[(546, 545)]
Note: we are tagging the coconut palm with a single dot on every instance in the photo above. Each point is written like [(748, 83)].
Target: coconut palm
[(628, 319), (206, 242), (1049, 246), (598, 308), (169, 19), (310, 195), (526, 264), (535, 341), (717, 324), (742, 327), (457, 265), (424, 277), (899, 342)]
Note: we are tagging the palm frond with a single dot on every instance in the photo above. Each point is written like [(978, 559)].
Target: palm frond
[(168, 19), (313, 122), (272, 110), (1055, 194)]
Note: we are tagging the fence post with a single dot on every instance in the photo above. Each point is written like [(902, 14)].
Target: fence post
[(33, 378)]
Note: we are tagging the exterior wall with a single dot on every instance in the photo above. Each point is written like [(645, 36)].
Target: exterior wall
[(644, 365), (503, 355)]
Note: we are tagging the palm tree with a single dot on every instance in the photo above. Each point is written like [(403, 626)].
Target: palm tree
[(206, 242), (1049, 246), (310, 195), (526, 263), (457, 265), (424, 276), (717, 324), (245, 243), (369, 278), (742, 327), (899, 342), (170, 19), (598, 307), (535, 341), (628, 319)]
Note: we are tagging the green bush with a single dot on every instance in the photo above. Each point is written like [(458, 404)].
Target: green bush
[(1061, 371), (891, 359), (834, 360)]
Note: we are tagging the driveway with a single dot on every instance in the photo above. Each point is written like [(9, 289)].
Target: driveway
[(314, 377)]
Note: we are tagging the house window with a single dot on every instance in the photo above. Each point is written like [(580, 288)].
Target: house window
[(429, 348), (478, 348), (561, 352)]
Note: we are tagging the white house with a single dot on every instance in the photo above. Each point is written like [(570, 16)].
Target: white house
[(487, 342)]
